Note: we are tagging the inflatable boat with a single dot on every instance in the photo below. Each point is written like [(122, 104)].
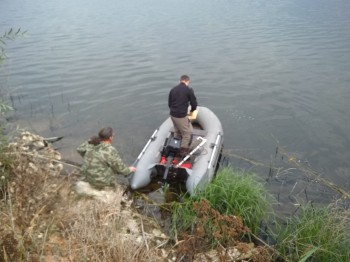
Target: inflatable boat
[(161, 158)]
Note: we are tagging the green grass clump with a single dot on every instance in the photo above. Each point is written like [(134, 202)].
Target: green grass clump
[(239, 193), (320, 234), (230, 193)]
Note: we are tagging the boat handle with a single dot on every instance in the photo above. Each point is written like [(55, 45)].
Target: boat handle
[(193, 151), (145, 147), (214, 150)]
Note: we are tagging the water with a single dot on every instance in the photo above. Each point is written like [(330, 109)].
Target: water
[(272, 71)]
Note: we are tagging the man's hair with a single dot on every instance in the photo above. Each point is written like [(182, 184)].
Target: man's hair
[(104, 134), (184, 78)]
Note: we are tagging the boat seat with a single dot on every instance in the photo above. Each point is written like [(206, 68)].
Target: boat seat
[(195, 132)]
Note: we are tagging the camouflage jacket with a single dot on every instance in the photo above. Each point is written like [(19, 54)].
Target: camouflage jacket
[(101, 164)]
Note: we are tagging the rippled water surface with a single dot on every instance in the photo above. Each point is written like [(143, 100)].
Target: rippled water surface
[(271, 70)]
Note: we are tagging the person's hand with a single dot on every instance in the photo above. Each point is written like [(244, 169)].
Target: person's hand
[(132, 169)]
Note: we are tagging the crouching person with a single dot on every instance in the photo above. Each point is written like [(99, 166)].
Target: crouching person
[(101, 164)]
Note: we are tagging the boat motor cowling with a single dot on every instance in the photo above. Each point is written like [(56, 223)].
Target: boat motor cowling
[(172, 146)]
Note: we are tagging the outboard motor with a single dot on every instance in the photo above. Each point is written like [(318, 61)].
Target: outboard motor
[(171, 148)]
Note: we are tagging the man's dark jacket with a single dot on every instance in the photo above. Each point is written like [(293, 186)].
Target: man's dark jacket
[(180, 97)]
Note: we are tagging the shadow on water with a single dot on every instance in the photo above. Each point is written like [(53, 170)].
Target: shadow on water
[(156, 199)]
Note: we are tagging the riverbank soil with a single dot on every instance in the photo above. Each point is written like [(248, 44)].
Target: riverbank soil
[(43, 218)]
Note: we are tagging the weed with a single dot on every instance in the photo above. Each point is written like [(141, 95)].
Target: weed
[(320, 233), (239, 193), (9, 35), (220, 215), (41, 219)]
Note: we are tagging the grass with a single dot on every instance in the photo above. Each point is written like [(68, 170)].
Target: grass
[(6, 161), (314, 234), (321, 234), (235, 192), (221, 214), (42, 220), (231, 193), (98, 234)]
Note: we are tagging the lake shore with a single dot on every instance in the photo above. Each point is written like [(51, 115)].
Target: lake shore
[(43, 218)]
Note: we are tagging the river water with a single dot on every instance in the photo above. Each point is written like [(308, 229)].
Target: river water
[(273, 71)]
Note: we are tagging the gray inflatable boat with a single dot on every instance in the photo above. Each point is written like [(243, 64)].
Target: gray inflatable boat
[(160, 157)]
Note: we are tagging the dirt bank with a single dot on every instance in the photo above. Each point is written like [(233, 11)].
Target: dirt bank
[(43, 218)]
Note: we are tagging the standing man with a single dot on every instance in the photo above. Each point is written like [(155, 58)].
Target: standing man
[(180, 97)]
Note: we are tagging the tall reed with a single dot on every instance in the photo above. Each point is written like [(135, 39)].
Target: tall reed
[(8, 35), (321, 234)]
